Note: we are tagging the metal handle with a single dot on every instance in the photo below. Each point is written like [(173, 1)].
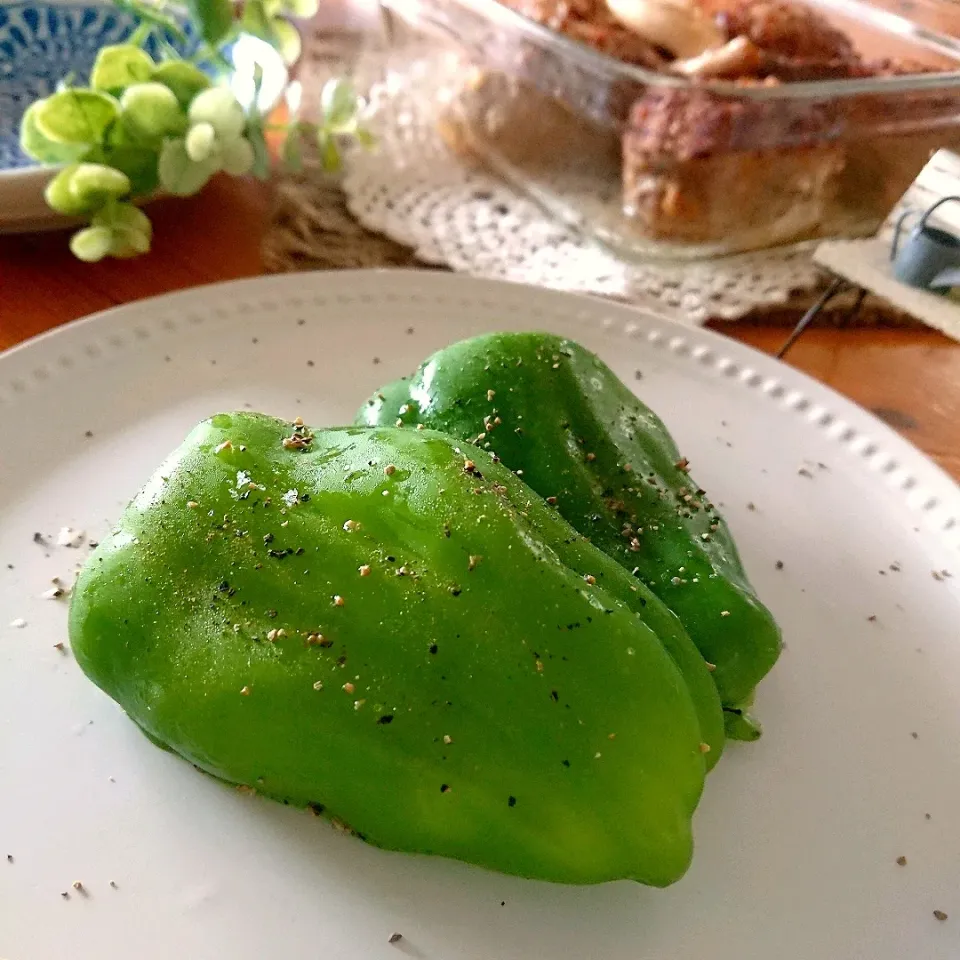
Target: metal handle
[(940, 202), (897, 227)]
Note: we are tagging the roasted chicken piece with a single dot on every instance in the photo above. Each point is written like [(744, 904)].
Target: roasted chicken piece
[(701, 170), (591, 22)]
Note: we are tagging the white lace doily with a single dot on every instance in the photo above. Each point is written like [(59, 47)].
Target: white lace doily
[(416, 191)]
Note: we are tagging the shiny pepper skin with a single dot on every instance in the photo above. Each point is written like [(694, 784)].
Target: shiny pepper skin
[(558, 416), (390, 627)]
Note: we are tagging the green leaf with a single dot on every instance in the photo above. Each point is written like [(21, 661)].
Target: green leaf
[(138, 163), (305, 9), (60, 197), (91, 244), (94, 184), (365, 138), (184, 79), (338, 104), (151, 112), (200, 142), (84, 188), (329, 152), (179, 174), (257, 21), (150, 13), (36, 145), (129, 243), (120, 66), (76, 116), (214, 17), (292, 152), (237, 157), (123, 215), (286, 39), (219, 107), (261, 153), (141, 35)]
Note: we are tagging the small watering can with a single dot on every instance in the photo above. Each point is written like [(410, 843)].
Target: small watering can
[(930, 258)]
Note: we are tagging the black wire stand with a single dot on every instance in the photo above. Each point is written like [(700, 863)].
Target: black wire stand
[(838, 286)]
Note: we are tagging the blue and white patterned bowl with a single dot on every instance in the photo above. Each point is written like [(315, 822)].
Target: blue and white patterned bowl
[(41, 43)]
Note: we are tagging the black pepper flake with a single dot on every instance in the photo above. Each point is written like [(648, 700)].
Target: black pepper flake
[(272, 614), (804, 472), (779, 564), (385, 719), (223, 587), (455, 591), (554, 695), (9, 858), (316, 809), (40, 538), (88, 433), (433, 648), (279, 554), (395, 938), (566, 763), (310, 363), (444, 787), (511, 801), (872, 618), (940, 915), (299, 551), (751, 506), (268, 538)]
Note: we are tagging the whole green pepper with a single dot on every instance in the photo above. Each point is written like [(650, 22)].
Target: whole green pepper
[(386, 625), (558, 416)]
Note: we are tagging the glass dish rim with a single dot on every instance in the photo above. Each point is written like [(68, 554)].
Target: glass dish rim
[(604, 65)]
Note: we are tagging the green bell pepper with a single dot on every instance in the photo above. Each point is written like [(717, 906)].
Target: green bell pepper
[(388, 626), (560, 418)]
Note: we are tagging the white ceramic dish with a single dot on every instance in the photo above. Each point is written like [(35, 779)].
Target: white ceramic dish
[(797, 835)]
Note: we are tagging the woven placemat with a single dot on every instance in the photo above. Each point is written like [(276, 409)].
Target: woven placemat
[(311, 229)]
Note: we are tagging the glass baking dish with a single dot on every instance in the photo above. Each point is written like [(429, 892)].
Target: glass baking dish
[(652, 164)]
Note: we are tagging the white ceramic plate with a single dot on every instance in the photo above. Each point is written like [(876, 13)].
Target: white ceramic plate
[(797, 835)]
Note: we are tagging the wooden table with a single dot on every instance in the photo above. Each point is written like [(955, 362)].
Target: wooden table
[(910, 378)]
